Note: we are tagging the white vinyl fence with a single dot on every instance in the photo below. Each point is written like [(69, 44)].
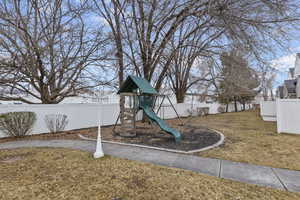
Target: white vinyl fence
[(288, 116), (286, 112), (79, 115), (213, 107), (87, 115), (268, 110)]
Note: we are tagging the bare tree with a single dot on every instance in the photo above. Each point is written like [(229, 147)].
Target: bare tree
[(267, 79), (270, 85), (239, 83), (112, 12), (147, 29), (259, 27), (46, 50), (189, 65)]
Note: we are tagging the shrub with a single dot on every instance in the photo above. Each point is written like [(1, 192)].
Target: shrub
[(221, 109), (192, 112), (203, 111), (17, 123), (56, 122)]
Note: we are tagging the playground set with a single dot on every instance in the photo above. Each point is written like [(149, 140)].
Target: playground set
[(139, 95)]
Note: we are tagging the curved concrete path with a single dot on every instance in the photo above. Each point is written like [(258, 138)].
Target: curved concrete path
[(253, 174)]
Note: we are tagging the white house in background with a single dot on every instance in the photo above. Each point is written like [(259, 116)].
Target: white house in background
[(291, 87), (286, 109)]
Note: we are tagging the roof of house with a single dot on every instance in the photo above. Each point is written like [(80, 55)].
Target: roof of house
[(290, 85), (133, 82)]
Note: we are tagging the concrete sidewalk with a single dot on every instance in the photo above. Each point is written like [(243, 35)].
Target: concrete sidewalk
[(247, 173)]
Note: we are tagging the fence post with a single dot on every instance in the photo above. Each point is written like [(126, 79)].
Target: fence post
[(278, 115), (260, 108)]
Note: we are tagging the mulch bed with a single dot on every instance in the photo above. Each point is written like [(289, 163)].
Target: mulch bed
[(65, 135), (193, 138)]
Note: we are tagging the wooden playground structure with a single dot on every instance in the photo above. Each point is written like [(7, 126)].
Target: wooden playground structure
[(140, 95)]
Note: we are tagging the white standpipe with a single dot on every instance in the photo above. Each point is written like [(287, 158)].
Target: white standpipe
[(99, 151)]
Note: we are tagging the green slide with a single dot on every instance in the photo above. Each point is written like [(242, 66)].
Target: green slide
[(161, 123)]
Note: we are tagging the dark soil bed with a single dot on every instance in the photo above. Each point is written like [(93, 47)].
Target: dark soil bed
[(192, 138)]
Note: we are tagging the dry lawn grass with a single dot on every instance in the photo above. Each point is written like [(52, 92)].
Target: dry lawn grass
[(69, 174), (250, 139)]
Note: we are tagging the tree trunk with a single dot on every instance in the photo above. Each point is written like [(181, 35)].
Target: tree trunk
[(227, 107), (272, 95), (180, 96), (265, 94), (235, 105), (120, 59), (121, 80)]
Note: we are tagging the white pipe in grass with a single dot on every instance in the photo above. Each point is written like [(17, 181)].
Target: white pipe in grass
[(99, 151)]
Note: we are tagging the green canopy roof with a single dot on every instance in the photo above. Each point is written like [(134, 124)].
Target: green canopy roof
[(133, 82)]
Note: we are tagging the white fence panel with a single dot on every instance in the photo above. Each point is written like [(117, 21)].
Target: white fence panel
[(268, 110), (288, 116), (182, 109), (213, 107), (79, 115), (109, 113), (87, 115), (166, 112)]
